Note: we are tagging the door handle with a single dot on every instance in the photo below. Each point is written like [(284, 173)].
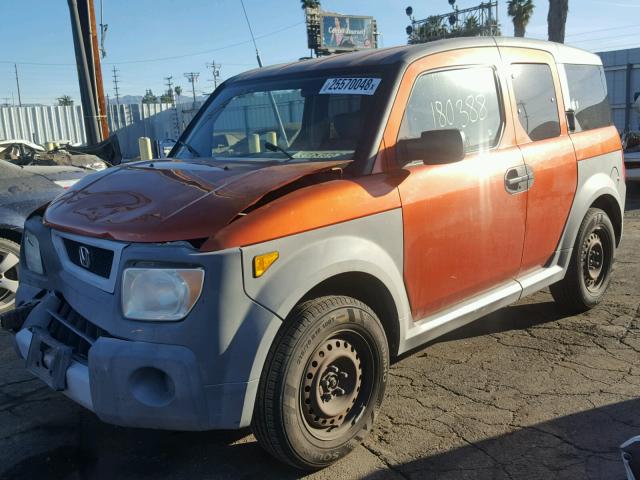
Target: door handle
[(518, 179), (514, 181)]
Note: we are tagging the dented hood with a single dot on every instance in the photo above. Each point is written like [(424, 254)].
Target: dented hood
[(162, 201)]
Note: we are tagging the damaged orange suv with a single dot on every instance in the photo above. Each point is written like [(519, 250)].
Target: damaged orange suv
[(316, 219)]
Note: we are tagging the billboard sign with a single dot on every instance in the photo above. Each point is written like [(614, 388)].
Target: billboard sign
[(346, 32)]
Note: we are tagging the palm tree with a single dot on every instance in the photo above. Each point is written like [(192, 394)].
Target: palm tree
[(65, 101), (520, 12), (310, 4), (471, 26), (557, 19)]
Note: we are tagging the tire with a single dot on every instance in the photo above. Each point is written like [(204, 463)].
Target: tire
[(9, 273), (589, 272), (323, 382)]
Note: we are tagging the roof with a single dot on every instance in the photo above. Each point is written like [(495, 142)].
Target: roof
[(405, 54)]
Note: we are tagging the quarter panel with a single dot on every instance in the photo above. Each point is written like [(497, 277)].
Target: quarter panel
[(596, 177)]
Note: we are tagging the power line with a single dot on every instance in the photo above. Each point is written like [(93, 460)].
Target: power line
[(173, 57), (618, 46), (608, 37), (115, 84), (588, 32)]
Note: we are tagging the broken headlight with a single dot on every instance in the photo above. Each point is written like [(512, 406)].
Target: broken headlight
[(160, 294)]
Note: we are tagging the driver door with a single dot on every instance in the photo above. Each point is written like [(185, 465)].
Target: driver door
[(463, 222)]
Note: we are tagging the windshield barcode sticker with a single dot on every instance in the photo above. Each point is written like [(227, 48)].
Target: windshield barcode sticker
[(350, 86)]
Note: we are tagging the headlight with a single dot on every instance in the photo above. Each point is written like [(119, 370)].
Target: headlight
[(160, 293), (32, 253)]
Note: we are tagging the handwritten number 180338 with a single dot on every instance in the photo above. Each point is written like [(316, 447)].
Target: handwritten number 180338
[(459, 113)]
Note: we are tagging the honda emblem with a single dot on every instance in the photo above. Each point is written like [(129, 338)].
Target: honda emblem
[(85, 256)]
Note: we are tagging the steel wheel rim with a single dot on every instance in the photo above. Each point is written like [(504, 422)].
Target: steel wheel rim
[(9, 268), (336, 385), (596, 259)]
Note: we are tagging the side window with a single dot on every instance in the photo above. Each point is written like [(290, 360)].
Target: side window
[(466, 99), (536, 100), (588, 96)]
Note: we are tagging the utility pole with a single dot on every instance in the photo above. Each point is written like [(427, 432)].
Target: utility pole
[(97, 73), (116, 79), (215, 71), (15, 66), (176, 123), (169, 85), (193, 77), (85, 41)]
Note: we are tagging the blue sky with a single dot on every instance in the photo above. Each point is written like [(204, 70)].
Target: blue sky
[(151, 39)]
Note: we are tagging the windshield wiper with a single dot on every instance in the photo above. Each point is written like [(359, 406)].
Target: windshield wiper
[(192, 150), (277, 148)]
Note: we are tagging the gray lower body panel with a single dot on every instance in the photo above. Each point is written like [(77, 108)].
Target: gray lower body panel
[(200, 373)]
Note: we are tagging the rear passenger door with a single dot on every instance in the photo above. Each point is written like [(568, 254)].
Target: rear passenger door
[(548, 153)]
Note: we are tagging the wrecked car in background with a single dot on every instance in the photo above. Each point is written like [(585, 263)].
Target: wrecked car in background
[(31, 176), (22, 152)]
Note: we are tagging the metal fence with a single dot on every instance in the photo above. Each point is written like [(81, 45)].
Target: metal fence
[(42, 124), (156, 121), (129, 122), (622, 69)]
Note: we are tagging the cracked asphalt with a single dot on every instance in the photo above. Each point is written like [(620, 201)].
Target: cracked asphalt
[(524, 393)]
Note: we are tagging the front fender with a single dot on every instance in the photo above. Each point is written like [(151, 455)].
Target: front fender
[(371, 245)]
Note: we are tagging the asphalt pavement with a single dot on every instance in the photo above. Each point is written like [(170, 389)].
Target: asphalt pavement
[(524, 393)]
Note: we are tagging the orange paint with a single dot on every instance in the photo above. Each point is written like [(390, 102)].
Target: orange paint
[(596, 142), (305, 209), (553, 163), (463, 232)]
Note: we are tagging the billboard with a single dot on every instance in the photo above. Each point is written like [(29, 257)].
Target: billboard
[(346, 32)]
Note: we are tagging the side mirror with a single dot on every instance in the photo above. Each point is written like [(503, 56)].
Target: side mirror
[(434, 147)]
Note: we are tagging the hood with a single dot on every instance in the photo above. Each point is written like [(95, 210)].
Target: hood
[(163, 201)]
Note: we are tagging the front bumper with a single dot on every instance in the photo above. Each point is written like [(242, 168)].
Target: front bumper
[(200, 373)]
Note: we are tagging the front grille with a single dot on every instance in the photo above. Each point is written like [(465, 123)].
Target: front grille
[(72, 329), (96, 260)]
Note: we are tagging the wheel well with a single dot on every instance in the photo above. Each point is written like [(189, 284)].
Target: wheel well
[(611, 207), (369, 290), (11, 234)]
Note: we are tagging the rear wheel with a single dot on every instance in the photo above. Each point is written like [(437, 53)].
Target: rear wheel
[(323, 382), (589, 271), (9, 272)]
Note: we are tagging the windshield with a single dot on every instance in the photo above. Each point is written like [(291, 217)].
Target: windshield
[(290, 121)]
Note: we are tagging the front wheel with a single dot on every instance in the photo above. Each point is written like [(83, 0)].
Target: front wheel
[(323, 382), (9, 272), (589, 271)]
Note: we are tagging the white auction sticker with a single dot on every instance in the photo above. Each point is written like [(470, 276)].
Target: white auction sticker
[(350, 86)]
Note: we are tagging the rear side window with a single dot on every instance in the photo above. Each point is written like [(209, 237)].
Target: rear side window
[(536, 100), (588, 96), (465, 99)]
